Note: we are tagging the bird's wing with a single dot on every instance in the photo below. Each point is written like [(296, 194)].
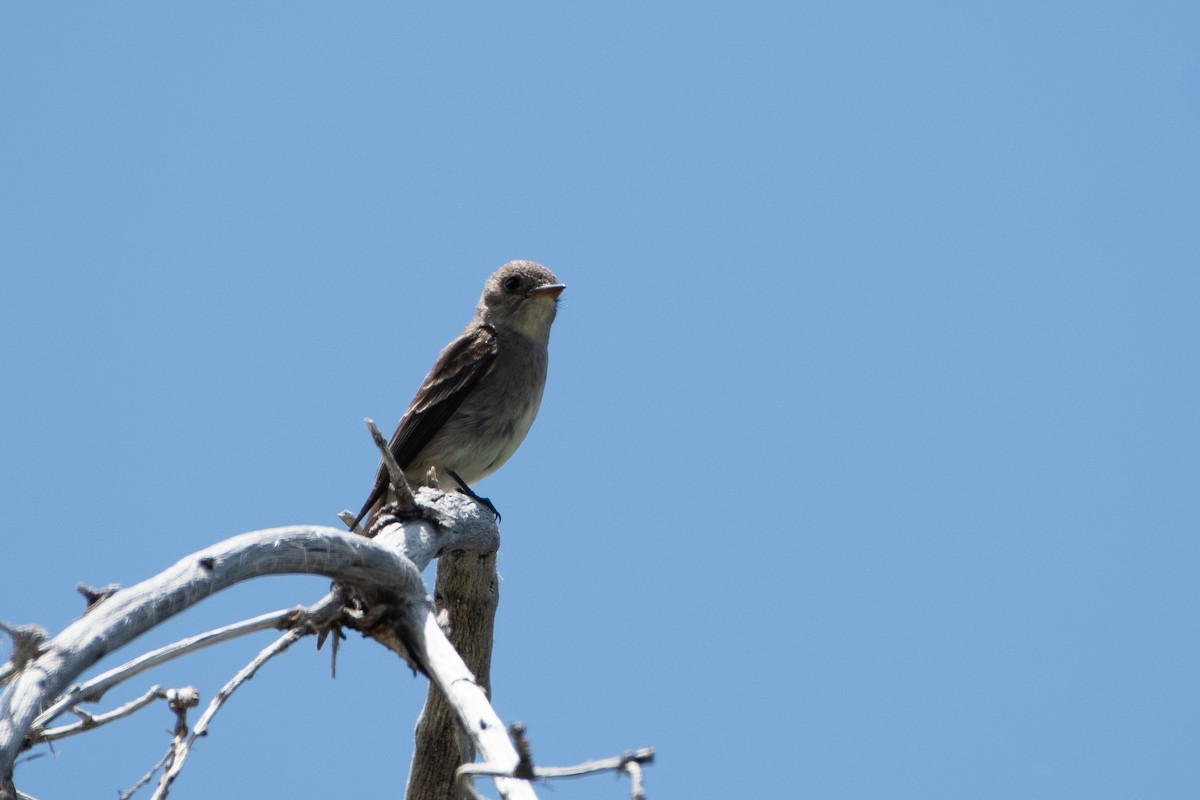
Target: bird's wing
[(458, 370)]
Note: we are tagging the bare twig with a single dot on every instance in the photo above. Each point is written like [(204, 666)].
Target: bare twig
[(617, 763), (26, 643), (93, 595), (628, 762), (403, 492), (333, 653), (177, 750), (94, 689), (637, 790), (180, 701), (347, 518), (524, 768), (149, 776), (88, 721), (181, 747)]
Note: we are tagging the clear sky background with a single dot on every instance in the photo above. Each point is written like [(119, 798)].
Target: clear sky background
[(869, 458)]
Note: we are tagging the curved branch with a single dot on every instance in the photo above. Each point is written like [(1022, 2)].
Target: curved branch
[(87, 722), (94, 689), (369, 564)]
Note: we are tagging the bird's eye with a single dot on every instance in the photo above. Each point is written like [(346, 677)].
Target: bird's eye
[(512, 284)]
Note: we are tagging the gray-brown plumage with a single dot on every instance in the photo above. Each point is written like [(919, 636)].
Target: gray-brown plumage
[(477, 403)]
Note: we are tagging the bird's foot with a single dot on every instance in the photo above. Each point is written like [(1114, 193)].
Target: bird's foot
[(469, 492)]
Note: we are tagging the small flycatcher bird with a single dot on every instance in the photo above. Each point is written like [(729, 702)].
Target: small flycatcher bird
[(476, 405)]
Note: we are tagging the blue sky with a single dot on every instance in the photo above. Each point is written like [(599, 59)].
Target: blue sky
[(868, 462)]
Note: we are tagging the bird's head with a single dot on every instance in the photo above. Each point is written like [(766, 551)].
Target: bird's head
[(522, 296)]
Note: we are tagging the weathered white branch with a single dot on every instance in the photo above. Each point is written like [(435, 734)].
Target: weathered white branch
[(94, 689), (348, 558), (466, 594), (386, 570), (88, 721), (472, 708), (182, 747), (130, 612), (629, 763), (180, 700)]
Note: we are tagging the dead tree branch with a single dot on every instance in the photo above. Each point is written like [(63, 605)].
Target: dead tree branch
[(93, 690), (118, 619), (379, 577), (466, 595), (89, 721), (181, 747), (630, 763)]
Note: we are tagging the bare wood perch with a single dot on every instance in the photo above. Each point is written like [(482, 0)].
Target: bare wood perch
[(385, 569), (121, 617)]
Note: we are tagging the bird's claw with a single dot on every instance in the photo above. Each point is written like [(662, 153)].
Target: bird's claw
[(469, 492)]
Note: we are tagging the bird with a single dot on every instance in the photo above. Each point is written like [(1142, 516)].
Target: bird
[(479, 400)]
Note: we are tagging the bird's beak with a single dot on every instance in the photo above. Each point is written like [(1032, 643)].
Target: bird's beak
[(552, 290)]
